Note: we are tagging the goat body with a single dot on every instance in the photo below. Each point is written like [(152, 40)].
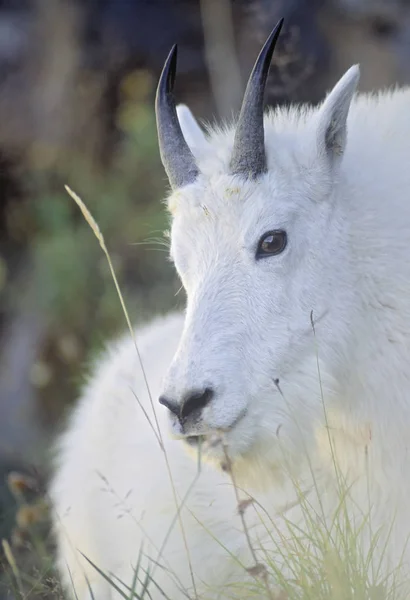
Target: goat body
[(306, 350)]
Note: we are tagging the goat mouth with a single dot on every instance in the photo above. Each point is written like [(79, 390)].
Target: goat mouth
[(203, 441), (194, 440), (213, 438)]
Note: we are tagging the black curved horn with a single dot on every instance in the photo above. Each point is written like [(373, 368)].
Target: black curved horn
[(248, 155), (176, 156)]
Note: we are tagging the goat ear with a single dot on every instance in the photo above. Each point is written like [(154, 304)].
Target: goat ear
[(193, 134), (332, 128)]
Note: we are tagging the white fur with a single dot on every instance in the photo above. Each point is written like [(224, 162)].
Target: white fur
[(192, 132), (342, 193)]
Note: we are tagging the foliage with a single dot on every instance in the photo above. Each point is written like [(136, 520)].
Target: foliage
[(68, 286)]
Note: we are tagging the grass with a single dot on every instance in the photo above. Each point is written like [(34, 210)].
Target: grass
[(67, 285), (27, 566)]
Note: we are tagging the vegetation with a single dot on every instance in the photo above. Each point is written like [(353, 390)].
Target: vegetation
[(69, 288)]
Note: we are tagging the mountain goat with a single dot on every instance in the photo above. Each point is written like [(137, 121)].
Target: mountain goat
[(288, 373)]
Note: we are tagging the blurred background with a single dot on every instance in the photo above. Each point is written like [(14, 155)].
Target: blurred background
[(77, 84)]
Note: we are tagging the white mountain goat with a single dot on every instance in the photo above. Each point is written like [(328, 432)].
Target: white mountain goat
[(288, 372)]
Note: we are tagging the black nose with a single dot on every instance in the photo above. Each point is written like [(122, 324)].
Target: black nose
[(194, 401)]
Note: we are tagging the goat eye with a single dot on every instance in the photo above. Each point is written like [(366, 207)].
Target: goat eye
[(271, 243)]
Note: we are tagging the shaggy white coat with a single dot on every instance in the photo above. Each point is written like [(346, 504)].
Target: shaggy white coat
[(282, 384)]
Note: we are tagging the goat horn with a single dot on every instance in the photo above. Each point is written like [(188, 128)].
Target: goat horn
[(248, 155), (176, 156)]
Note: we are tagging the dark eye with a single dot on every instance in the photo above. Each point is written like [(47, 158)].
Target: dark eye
[(271, 243)]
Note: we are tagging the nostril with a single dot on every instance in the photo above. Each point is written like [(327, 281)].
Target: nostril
[(170, 405), (196, 401)]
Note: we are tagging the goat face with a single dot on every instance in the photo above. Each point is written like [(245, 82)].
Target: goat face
[(260, 242)]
